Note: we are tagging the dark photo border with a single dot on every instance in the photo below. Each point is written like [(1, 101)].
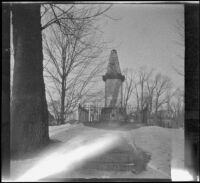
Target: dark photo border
[(191, 95)]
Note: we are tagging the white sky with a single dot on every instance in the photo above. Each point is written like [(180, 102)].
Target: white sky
[(146, 35)]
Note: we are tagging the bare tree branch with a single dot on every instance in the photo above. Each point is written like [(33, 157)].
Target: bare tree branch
[(73, 58)]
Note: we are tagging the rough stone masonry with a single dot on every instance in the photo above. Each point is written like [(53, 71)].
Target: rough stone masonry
[(113, 79)]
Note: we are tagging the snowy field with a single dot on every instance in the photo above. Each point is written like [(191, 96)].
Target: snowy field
[(166, 147)]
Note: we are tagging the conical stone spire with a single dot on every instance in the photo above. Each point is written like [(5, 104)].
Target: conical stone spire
[(113, 110), (113, 68), (113, 65)]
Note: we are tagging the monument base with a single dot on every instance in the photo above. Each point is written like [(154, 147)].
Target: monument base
[(113, 114)]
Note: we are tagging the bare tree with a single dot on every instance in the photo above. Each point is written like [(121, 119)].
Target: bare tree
[(29, 115), (144, 76), (72, 63), (140, 90), (96, 97), (162, 86), (151, 86), (29, 130), (60, 13), (177, 107), (151, 92), (128, 87)]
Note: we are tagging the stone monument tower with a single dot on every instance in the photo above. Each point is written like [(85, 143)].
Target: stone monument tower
[(113, 79)]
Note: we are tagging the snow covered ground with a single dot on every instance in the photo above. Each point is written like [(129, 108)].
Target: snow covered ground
[(165, 145), (157, 141)]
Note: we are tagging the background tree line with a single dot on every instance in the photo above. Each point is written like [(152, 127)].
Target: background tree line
[(152, 93)]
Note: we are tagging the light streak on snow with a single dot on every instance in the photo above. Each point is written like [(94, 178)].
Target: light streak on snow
[(181, 175), (67, 160)]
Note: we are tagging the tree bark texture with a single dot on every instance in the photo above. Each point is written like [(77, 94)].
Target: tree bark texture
[(29, 113)]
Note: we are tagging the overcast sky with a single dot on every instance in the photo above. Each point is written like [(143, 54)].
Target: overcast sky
[(146, 35)]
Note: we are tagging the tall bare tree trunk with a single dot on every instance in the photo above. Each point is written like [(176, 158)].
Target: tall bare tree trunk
[(62, 112), (29, 114), (156, 111)]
